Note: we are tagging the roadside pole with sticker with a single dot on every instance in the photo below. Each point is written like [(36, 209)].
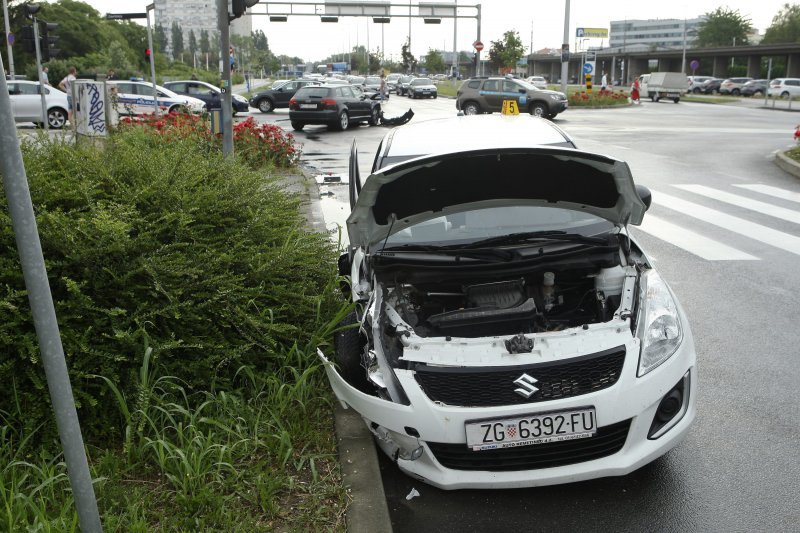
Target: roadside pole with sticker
[(510, 107)]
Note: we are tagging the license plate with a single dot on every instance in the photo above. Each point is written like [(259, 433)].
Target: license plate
[(526, 430), (308, 106)]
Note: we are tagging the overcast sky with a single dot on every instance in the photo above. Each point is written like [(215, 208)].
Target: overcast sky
[(539, 23)]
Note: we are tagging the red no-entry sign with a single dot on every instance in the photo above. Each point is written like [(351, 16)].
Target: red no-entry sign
[(478, 45)]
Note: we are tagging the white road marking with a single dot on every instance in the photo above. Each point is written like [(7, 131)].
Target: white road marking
[(692, 242), (778, 239), (772, 191), (743, 201)]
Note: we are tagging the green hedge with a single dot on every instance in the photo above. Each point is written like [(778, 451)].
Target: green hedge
[(159, 244)]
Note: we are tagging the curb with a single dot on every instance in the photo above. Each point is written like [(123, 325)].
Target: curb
[(789, 165), (367, 511)]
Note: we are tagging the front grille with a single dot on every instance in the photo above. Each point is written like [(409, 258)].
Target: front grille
[(493, 386), (607, 441)]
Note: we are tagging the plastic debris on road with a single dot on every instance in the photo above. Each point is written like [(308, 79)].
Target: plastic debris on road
[(413, 494)]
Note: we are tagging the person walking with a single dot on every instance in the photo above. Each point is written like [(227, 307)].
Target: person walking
[(66, 86), (383, 87), (604, 82), (45, 78), (635, 91)]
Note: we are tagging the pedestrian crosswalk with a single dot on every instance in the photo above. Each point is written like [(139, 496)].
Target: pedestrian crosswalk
[(686, 231)]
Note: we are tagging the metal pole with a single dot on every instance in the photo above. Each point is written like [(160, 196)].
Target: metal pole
[(43, 311), (769, 76), (565, 42), (45, 123), (151, 7), (480, 66), (455, 46), (683, 59), (8, 43), (409, 27), (223, 24)]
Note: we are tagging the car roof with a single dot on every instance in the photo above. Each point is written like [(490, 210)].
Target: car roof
[(475, 132)]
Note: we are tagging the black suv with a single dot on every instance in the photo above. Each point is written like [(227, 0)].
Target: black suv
[(337, 106), (267, 101), (486, 95)]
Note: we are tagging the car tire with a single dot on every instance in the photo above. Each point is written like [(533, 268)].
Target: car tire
[(297, 126), (344, 121), (435, 96), (758, 93), (178, 109), (696, 90), (785, 94), (348, 346), (676, 100), (56, 118), (265, 105), (373, 116), (539, 109), (471, 108), (736, 92), (656, 98)]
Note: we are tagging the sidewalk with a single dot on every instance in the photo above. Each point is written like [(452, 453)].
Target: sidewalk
[(367, 511)]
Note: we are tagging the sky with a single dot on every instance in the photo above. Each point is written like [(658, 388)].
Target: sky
[(540, 24)]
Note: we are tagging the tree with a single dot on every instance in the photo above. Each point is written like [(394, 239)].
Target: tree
[(192, 44), (177, 41), (506, 52), (434, 62), (260, 41), (205, 45), (723, 27), (407, 61), (785, 26), (160, 39)]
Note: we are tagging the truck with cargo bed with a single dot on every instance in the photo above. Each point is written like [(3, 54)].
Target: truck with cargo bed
[(658, 85)]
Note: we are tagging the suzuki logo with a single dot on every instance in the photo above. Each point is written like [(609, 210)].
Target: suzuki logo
[(526, 385)]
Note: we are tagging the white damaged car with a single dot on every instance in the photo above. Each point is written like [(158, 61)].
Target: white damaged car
[(508, 331)]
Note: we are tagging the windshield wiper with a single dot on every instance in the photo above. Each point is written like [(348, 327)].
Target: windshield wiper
[(454, 251), (537, 236)]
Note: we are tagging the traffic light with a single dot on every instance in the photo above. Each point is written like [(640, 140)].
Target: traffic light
[(238, 7), (28, 39), (47, 40), (147, 55)]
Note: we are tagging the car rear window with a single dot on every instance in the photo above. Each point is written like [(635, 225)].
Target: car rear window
[(312, 92)]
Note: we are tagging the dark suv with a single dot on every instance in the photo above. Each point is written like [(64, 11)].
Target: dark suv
[(271, 99), (486, 95), (337, 106)]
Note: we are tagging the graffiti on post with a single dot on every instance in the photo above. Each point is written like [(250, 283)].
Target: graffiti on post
[(92, 109)]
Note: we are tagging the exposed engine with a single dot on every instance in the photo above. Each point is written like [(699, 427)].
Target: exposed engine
[(547, 301)]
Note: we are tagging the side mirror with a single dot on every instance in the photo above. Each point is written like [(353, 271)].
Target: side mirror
[(645, 195)]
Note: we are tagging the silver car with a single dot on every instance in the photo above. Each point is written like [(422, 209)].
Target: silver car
[(26, 103)]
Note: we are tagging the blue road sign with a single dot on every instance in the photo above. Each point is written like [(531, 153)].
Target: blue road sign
[(10, 38), (587, 68)]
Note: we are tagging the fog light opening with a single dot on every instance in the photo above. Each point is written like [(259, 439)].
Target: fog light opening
[(671, 408)]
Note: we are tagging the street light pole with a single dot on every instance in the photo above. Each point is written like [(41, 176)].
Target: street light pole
[(683, 59), (150, 8), (565, 45), (8, 43)]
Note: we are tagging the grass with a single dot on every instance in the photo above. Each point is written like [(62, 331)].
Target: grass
[(708, 99), (793, 154), (257, 457)]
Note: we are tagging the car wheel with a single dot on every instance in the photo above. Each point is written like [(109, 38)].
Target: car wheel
[(736, 92), (538, 109), (656, 98), (297, 126), (178, 109), (373, 116), (676, 100), (696, 90), (56, 118), (344, 121), (348, 346), (759, 93), (434, 96), (265, 105), (471, 108), (785, 94)]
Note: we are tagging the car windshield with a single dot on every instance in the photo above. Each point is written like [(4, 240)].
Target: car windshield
[(406, 79), (479, 224), (422, 81)]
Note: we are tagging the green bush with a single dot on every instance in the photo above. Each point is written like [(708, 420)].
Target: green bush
[(164, 244)]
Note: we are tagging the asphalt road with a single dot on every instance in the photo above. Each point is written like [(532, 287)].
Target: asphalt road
[(724, 231)]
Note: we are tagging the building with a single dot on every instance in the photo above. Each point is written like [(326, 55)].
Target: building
[(654, 34), (195, 15)]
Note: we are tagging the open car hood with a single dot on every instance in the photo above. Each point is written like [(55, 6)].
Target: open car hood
[(410, 192)]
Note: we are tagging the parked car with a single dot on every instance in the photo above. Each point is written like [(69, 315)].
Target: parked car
[(269, 100), (337, 106), (784, 87), (208, 93), (391, 81), (402, 84), (26, 103), (486, 95), (711, 86), (422, 88), (136, 98), (537, 81), (733, 86), (356, 80), (755, 88), (508, 330), (696, 83)]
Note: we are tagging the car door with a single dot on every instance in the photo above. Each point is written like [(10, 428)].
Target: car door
[(514, 91), (28, 102), (126, 98), (285, 93), (356, 106), (203, 92), (492, 93)]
